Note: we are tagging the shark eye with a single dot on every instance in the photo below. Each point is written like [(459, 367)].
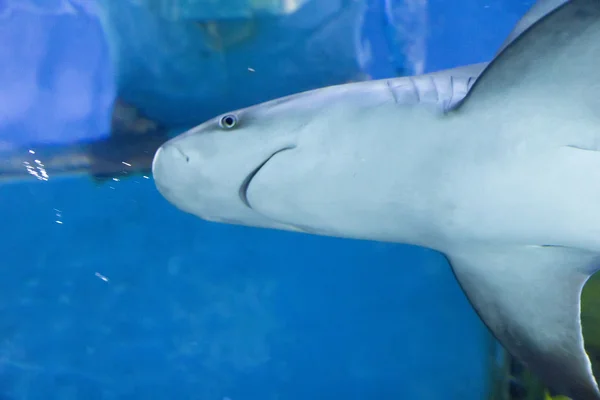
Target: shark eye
[(228, 121)]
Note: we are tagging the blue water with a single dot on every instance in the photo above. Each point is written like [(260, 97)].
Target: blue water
[(108, 292), (193, 310)]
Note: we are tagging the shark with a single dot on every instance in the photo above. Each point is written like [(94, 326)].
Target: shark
[(496, 166)]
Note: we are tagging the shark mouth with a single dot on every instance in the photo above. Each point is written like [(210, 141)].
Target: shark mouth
[(243, 191)]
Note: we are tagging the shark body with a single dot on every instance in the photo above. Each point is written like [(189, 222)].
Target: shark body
[(500, 173)]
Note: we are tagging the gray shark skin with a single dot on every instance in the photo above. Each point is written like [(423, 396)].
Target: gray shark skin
[(503, 179), (537, 11)]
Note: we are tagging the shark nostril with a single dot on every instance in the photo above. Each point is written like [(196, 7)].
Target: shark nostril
[(185, 156)]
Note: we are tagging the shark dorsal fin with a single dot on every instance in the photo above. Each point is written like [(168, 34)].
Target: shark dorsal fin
[(555, 58), (537, 11)]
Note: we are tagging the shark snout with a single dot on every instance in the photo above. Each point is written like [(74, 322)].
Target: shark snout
[(167, 166)]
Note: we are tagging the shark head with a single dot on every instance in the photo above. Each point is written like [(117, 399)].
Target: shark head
[(272, 165), (208, 170)]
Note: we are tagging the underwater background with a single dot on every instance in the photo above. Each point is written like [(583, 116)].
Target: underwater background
[(108, 292)]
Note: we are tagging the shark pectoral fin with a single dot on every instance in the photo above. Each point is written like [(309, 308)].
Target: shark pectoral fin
[(529, 297)]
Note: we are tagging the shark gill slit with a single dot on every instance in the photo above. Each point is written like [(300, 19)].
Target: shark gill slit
[(243, 191)]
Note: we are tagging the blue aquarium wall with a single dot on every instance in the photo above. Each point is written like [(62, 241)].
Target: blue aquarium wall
[(56, 77), (109, 292), (64, 61)]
